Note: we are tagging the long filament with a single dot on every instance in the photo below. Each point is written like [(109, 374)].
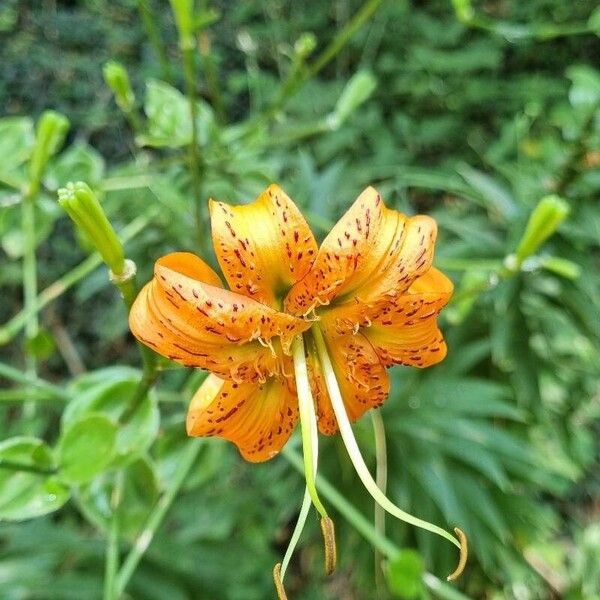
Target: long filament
[(358, 461), (308, 422)]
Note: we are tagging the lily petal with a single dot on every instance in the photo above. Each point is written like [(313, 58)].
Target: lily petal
[(203, 325), (371, 251), (257, 418), (263, 247), (362, 378), (403, 329)]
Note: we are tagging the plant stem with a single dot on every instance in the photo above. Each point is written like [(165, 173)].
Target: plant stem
[(366, 529), (570, 169), (56, 289), (112, 546), (156, 517), (189, 68), (300, 72), (53, 391), (29, 282), (17, 466), (154, 38), (381, 480), (343, 37)]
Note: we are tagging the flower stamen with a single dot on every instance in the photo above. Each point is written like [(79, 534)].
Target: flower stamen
[(359, 464)]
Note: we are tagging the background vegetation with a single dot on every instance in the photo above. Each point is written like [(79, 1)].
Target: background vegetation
[(470, 112)]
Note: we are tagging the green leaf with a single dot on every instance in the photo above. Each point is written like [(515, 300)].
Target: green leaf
[(169, 119), (11, 235), (41, 345), (358, 90), (140, 495), (109, 392), (404, 575), (16, 142), (86, 448), (80, 162), (26, 494)]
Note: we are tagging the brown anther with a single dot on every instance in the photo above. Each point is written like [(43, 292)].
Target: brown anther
[(281, 595), (464, 552), (328, 530)]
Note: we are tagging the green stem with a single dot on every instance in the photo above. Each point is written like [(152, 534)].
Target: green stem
[(570, 169), (153, 33), (300, 72), (12, 465), (189, 69), (112, 546), (343, 37), (156, 517), (53, 391), (354, 452), (307, 422), (30, 281), (56, 289), (365, 528), (381, 480)]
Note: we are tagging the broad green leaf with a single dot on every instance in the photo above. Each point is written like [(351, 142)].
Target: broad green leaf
[(358, 90), (25, 494), (16, 142), (169, 119), (110, 392), (79, 162), (86, 448), (404, 575), (139, 497), (47, 212)]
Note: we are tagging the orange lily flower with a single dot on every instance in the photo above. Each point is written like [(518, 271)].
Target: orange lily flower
[(370, 287), (298, 321)]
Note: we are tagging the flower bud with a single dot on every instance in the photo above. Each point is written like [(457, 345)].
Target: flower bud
[(550, 212), (305, 45), (357, 91), (117, 79), (184, 19), (50, 134), (83, 207)]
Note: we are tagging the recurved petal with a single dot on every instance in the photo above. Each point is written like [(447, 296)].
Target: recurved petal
[(362, 378), (160, 327), (417, 344), (263, 247), (198, 323), (371, 251), (257, 418), (424, 299)]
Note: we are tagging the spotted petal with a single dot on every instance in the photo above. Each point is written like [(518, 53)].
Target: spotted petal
[(362, 378), (372, 251), (257, 418), (403, 329), (184, 314), (263, 247)]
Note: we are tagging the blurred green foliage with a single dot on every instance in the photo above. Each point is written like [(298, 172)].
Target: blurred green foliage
[(485, 115)]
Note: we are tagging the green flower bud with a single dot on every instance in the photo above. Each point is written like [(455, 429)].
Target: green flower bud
[(550, 212), (184, 19), (305, 45), (50, 134), (83, 207), (117, 79), (357, 91), (464, 10)]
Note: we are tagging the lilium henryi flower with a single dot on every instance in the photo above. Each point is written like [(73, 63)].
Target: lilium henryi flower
[(303, 332)]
